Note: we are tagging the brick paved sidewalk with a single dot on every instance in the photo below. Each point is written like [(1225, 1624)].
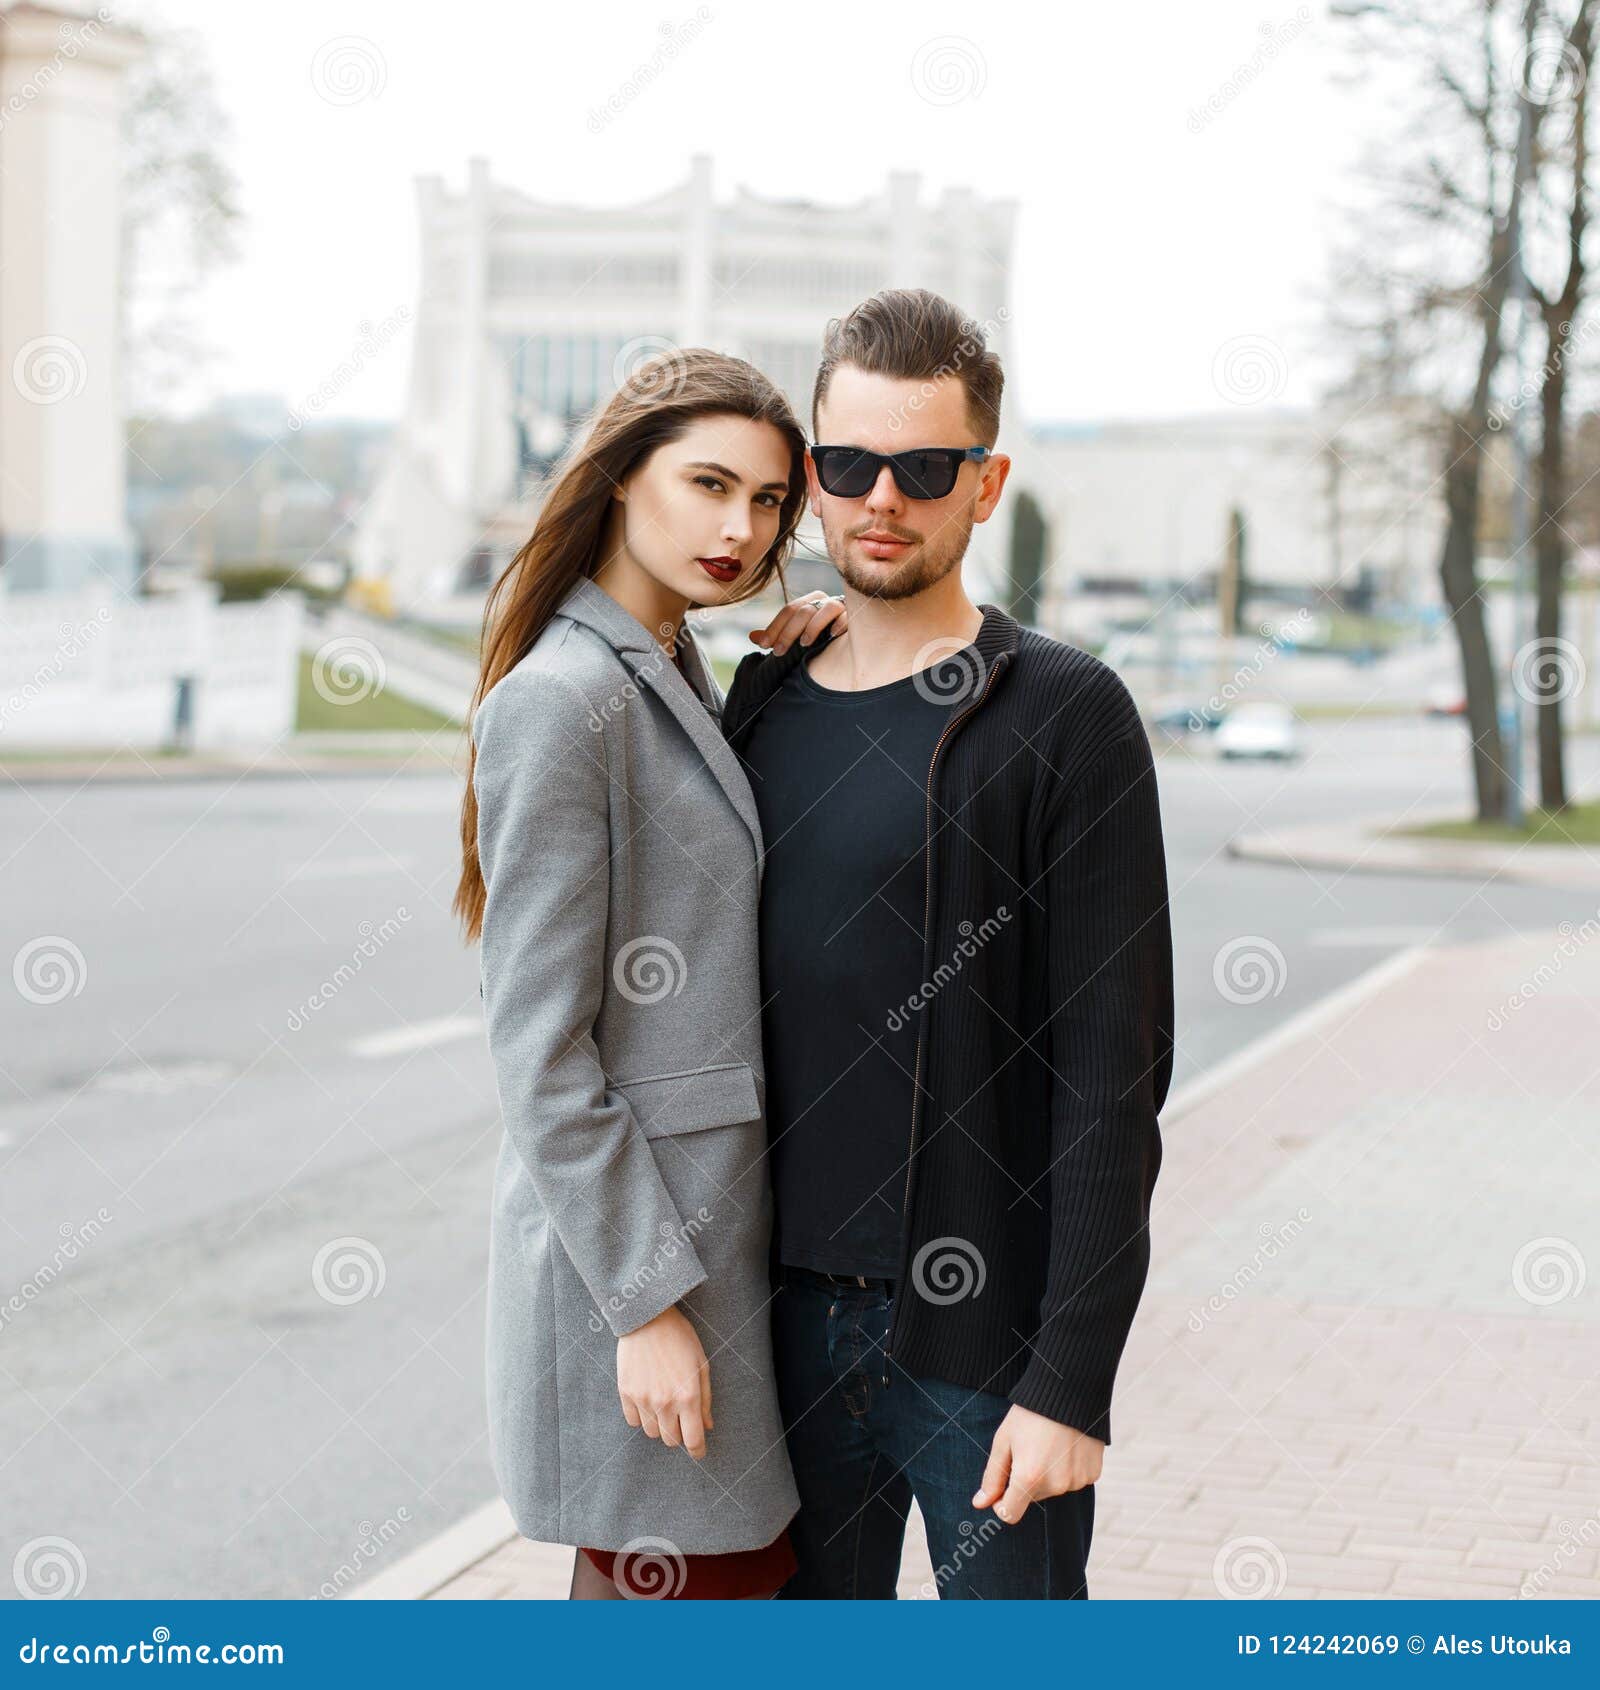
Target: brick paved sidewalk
[(1368, 1358)]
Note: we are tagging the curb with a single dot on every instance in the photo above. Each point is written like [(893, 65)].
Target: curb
[(82, 773), (416, 1576), (1359, 851)]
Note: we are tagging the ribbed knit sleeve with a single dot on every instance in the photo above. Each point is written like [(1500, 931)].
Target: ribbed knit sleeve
[(1110, 1042)]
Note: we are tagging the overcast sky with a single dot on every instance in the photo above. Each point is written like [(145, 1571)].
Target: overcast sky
[(1172, 162)]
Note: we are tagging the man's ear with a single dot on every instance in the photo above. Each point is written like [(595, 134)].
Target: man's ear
[(995, 470), (813, 486)]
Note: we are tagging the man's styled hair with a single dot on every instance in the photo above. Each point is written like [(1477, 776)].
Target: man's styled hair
[(915, 335)]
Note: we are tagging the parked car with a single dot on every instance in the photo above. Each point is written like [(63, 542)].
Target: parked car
[(1179, 716), (1259, 730), (1446, 699)]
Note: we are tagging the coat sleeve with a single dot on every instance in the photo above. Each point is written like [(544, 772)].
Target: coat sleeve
[(544, 840), (1110, 1044)]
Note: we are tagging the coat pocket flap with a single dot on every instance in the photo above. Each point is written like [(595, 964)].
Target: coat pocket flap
[(695, 1098)]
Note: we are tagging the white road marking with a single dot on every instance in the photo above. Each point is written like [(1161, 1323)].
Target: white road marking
[(1368, 938), (337, 868), (418, 1035)]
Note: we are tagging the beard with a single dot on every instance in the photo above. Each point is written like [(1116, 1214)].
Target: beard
[(928, 563)]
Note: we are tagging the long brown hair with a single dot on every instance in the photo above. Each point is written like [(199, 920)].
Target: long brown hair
[(656, 405)]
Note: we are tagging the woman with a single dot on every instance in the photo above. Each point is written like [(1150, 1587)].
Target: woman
[(612, 858)]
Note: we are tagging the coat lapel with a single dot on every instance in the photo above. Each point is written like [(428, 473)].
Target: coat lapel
[(697, 707)]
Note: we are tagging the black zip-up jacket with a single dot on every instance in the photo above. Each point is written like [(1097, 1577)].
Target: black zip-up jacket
[(1045, 1047)]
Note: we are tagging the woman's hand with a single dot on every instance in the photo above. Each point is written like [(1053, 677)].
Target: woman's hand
[(664, 1381), (804, 617)]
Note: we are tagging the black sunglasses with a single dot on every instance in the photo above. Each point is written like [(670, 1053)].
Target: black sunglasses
[(850, 472)]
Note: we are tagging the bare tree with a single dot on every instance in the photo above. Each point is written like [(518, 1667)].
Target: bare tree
[(1426, 285), (1562, 84), (180, 211)]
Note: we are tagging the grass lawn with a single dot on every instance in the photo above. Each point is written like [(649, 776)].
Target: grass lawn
[(460, 639), (315, 714), (1578, 824)]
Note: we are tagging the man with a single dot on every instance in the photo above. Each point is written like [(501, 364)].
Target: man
[(968, 1025)]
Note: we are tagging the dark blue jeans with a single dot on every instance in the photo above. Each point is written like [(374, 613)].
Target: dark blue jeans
[(862, 1450)]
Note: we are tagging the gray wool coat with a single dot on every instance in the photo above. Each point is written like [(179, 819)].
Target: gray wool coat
[(621, 849)]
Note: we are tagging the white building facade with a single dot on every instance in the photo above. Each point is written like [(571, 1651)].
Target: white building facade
[(532, 312), (63, 524)]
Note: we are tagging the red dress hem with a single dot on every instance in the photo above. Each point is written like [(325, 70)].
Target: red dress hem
[(700, 1578)]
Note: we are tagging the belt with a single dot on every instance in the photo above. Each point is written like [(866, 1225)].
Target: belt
[(843, 1281)]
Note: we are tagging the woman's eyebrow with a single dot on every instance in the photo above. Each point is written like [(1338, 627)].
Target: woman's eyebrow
[(729, 475)]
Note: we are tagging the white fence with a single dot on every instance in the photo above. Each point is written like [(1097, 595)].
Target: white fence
[(77, 669)]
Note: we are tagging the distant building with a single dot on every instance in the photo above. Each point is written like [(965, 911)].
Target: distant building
[(1334, 502), (532, 312), (62, 520)]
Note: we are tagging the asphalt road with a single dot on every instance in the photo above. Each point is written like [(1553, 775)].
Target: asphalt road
[(245, 1154)]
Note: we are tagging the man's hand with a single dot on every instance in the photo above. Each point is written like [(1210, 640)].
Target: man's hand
[(1033, 1458), (803, 618), (664, 1381)]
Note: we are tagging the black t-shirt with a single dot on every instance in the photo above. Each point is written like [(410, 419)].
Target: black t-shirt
[(840, 779)]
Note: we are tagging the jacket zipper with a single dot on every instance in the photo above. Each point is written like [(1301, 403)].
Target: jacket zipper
[(927, 957)]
